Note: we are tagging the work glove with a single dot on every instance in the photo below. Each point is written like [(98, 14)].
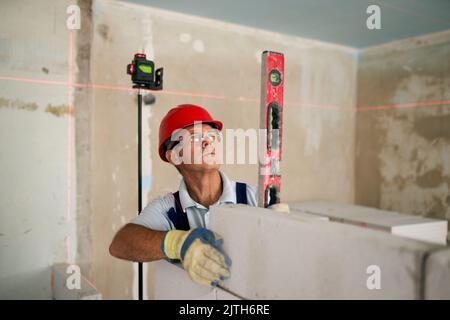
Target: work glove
[(200, 254), (279, 207)]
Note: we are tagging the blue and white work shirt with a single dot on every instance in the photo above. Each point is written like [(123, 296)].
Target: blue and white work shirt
[(155, 214)]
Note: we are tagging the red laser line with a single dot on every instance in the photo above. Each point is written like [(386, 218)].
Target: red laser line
[(90, 282), (240, 99), (167, 92), (52, 280), (69, 136), (111, 87), (319, 106), (358, 109), (68, 251), (101, 86), (301, 104), (26, 80)]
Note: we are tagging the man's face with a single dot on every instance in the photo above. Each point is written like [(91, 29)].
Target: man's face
[(197, 148)]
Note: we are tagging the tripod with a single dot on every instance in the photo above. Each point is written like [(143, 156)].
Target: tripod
[(143, 76), (139, 119)]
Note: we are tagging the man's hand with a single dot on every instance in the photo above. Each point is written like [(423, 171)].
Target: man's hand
[(199, 252)]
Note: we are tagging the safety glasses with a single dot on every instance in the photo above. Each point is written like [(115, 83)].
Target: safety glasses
[(196, 138)]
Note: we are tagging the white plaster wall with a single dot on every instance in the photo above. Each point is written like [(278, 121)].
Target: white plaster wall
[(34, 231)]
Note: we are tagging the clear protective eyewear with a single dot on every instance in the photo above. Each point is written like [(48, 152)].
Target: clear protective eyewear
[(210, 136)]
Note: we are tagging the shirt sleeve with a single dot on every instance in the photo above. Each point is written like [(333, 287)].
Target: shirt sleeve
[(154, 215), (252, 195)]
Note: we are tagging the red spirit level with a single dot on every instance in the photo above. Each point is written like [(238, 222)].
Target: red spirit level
[(271, 121)]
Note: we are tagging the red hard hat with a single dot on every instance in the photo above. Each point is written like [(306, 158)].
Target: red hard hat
[(180, 117)]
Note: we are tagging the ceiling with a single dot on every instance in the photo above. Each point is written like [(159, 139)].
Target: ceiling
[(337, 21)]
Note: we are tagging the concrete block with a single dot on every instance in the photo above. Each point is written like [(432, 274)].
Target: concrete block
[(65, 280), (437, 285), (223, 295), (400, 224), (281, 256), (173, 283)]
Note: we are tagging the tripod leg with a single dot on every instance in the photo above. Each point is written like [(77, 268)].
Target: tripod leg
[(140, 266)]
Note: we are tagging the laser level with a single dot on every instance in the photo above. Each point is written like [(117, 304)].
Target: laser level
[(143, 73)]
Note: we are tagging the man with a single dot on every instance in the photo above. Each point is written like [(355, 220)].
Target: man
[(174, 226)]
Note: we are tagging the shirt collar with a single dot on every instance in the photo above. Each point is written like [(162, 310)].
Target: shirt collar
[(228, 193)]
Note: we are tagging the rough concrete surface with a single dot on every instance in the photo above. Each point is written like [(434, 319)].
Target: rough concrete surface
[(403, 153)]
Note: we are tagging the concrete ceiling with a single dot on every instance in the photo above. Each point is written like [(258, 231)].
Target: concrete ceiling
[(338, 21)]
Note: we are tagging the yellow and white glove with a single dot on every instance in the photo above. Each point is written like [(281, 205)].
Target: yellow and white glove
[(200, 254)]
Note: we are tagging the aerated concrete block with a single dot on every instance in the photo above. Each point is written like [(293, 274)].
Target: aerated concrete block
[(438, 275), (282, 256), (173, 283), (400, 224)]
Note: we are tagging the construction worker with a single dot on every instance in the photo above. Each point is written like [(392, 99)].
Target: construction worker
[(174, 226)]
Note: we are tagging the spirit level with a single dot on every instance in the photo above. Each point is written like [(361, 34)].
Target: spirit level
[(271, 121)]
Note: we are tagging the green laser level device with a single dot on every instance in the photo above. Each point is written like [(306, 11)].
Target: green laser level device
[(143, 73)]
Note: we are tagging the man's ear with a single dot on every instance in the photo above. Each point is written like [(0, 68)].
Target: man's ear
[(169, 156), (173, 158)]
